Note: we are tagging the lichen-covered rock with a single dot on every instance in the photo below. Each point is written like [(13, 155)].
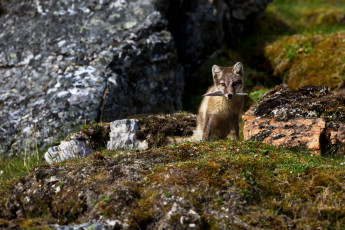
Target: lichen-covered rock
[(296, 132), (66, 62), (311, 118), (87, 226), (123, 135)]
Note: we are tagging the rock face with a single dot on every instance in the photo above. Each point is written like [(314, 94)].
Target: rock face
[(63, 63), (310, 118)]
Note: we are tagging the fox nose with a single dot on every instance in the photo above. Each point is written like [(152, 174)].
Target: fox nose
[(229, 96)]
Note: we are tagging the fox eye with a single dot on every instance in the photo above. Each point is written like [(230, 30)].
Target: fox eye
[(236, 83), (222, 84)]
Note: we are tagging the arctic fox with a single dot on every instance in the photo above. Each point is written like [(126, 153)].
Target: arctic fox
[(221, 106)]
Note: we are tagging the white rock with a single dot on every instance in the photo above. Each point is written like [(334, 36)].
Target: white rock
[(67, 150), (123, 135)]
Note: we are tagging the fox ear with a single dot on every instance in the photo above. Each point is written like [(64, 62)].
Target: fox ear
[(216, 70), (238, 68)]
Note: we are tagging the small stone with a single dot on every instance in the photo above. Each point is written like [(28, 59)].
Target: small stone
[(123, 135), (19, 213), (67, 150)]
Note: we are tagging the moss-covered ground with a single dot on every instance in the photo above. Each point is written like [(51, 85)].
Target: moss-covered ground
[(310, 50), (241, 184)]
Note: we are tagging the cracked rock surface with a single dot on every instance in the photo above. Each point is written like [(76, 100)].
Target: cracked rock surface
[(67, 62)]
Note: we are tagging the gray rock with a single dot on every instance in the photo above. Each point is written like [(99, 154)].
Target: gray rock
[(123, 135), (64, 63), (67, 150)]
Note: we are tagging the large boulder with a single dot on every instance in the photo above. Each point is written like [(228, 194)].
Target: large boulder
[(311, 118), (67, 62)]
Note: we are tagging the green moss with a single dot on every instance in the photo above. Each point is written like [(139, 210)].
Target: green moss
[(312, 16), (309, 59), (257, 94)]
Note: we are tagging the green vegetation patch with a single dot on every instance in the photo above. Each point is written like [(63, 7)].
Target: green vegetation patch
[(309, 59), (312, 16), (311, 52), (299, 43)]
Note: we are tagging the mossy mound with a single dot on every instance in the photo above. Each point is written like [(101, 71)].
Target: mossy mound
[(309, 60), (312, 16), (323, 17), (210, 185), (96, 135), (156, 128)]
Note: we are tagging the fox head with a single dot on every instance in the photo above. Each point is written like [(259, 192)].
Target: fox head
[(228, 80)]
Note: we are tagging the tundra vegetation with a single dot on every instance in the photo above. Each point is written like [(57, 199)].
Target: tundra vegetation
[(297, 42)]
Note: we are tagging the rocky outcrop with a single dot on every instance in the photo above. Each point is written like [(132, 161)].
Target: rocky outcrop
[(63, 63), (146, 131), (311, 118)]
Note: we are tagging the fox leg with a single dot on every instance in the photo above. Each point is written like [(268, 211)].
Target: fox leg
[(234, 127), (206, 134)]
